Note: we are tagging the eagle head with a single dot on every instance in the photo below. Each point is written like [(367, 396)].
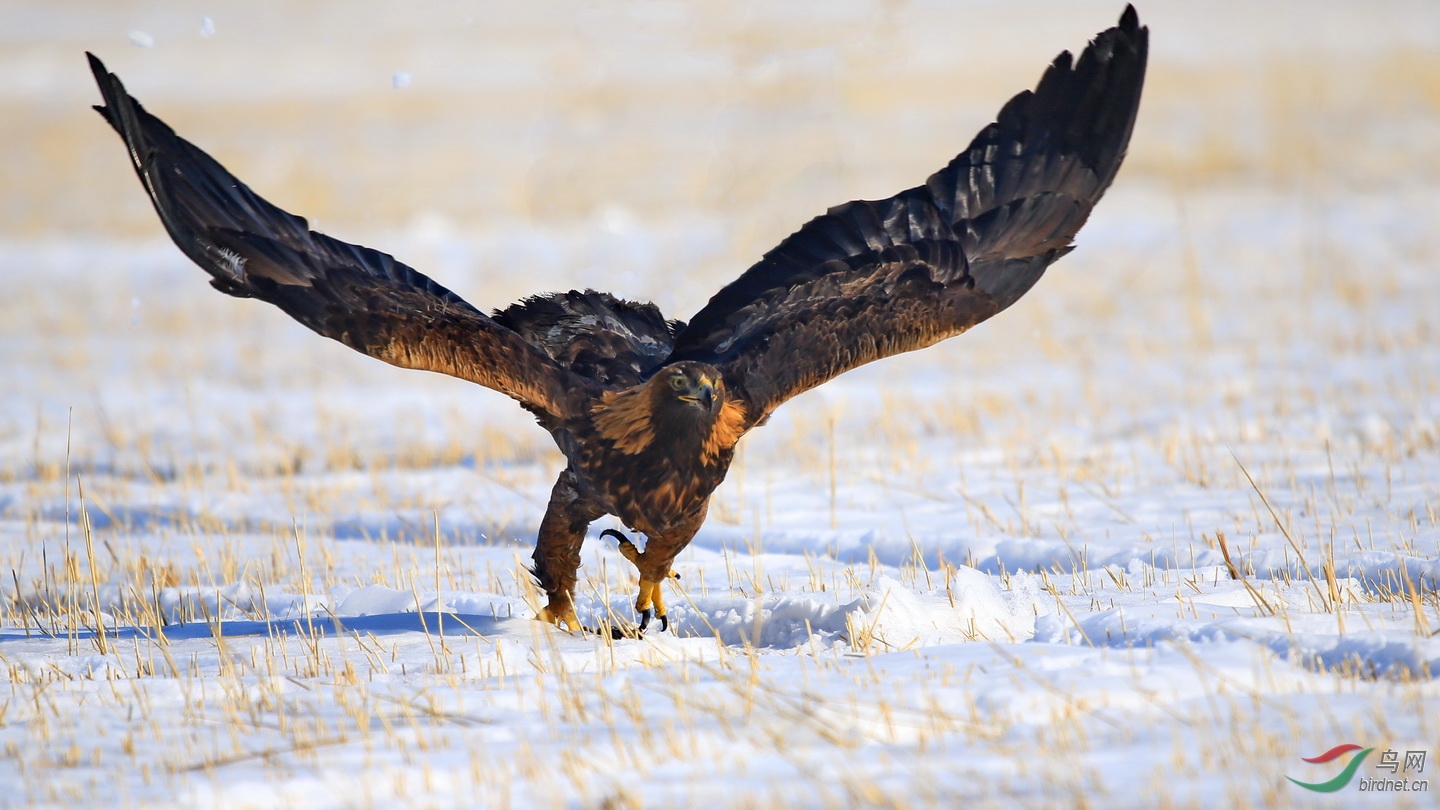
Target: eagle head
[(688, 390), (682, 408)]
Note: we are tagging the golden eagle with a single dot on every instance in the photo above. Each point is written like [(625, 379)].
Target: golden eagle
[(646, 410)]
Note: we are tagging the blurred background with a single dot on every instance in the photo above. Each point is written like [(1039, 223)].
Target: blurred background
[(744, 118), (1268, 245)]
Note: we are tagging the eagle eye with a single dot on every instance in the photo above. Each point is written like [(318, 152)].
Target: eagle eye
[(677, 382)]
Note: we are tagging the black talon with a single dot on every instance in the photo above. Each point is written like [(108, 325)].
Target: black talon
[(645, 619), (612, 533), (616, 633), (664, 623)]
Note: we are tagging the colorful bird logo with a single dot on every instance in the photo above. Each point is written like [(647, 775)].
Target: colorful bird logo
[(1343, 778)]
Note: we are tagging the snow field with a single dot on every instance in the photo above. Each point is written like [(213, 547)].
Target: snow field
[(1166, 527)]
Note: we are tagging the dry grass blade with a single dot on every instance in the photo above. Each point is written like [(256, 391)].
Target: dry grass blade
[(1236, 574), (1304, 566)]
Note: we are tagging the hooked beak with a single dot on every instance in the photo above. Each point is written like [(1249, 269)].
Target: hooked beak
[(704, 395)]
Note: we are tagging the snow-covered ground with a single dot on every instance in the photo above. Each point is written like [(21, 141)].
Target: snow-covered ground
[(246, 567)]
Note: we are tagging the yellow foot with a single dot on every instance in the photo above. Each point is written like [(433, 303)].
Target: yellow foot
[(564, 619), (651, 602), (650, 599)]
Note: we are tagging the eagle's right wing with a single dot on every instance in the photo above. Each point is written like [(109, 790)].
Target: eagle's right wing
[(358, 296)]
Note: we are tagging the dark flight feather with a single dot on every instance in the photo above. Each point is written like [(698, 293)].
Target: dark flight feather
[(983, 229), (361, 297)]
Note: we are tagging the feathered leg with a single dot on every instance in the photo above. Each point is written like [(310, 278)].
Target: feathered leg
[(557, 549)]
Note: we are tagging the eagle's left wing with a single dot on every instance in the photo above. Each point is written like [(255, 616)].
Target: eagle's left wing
[(872, 305), (871, 279)]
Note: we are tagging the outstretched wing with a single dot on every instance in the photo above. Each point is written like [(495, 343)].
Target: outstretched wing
[(871, 279), (358, 296)]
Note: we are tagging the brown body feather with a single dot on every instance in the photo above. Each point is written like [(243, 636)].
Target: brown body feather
[(653, 459), (730, 424), (646, 410), (622, 418)]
